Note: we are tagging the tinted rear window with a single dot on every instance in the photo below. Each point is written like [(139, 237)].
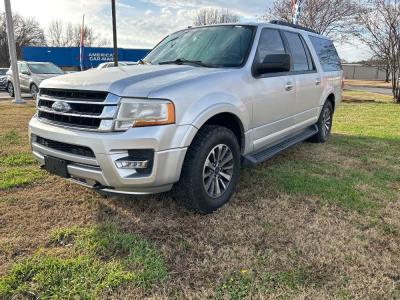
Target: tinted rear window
[(327, 54)]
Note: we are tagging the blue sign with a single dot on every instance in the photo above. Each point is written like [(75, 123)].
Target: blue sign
[(69, 56)]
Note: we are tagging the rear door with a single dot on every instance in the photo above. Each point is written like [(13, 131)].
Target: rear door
[(307, 79), (274, 95)]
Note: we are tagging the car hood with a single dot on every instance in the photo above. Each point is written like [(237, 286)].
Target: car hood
[(44, 76), (130, 81)]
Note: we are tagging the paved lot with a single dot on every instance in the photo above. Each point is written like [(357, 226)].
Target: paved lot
[(384, 91)]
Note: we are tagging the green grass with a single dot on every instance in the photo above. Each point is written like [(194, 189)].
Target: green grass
[(46, 276), (237, 286), (84, 264), (9, 138), (364, 171), (350, 189), (372, 120), (17, 160), (19, 176)]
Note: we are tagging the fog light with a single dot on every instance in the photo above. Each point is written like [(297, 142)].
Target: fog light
[(130, 164)]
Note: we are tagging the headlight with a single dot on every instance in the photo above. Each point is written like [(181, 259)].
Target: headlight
[(141, 112)]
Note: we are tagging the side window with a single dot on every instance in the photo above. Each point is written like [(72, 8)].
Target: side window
[(327, 54), (299, 55), (24, 68), (270, 43)]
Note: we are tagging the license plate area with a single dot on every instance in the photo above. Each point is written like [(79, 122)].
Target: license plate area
[(56, 166)]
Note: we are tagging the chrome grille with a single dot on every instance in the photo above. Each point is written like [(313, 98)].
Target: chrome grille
[(84, 110)]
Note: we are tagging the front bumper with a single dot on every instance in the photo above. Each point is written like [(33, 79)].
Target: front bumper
[(168, 142)]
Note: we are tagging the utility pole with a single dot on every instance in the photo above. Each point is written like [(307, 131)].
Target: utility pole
[(114, 26), (13, 53)]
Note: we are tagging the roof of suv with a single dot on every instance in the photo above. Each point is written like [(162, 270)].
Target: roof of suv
[(274, 23)]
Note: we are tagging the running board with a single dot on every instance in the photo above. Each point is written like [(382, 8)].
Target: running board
[(267, 153)]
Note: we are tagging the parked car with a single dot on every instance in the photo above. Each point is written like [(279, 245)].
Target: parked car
[(31, 74), (3, 78), (203, 103), (110, 64)]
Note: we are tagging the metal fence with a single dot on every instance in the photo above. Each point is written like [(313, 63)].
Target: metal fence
[(364, 72)]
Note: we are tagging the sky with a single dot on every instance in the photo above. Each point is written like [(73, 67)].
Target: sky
[(143, 23)]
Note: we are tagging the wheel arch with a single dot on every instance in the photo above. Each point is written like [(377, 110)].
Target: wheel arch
[(230, 121), (332, 99)]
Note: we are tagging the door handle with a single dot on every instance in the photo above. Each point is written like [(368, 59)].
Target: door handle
[(317, 81), (289, 86)]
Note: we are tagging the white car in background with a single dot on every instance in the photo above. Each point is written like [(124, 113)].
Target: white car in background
[(31, 74), (3, 78)]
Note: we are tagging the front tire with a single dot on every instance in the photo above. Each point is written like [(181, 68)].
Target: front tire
[(10, 89), (324, 124), (211, 170)]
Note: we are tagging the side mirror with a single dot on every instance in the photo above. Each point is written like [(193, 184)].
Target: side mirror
[(274, 63), (26, 73)]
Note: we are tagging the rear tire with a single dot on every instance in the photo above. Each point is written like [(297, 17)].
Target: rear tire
[(10, 89), (210, 171), (324, 124)]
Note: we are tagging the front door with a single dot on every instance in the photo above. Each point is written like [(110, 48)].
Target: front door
[(274, 103)]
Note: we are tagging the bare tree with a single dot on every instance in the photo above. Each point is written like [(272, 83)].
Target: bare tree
[(334, 18), (55, 33), (209, 16), (60, 34), (27, 33), (379, 29)]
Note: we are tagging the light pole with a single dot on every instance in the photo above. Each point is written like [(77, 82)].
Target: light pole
[(13, 53), (114, 27)]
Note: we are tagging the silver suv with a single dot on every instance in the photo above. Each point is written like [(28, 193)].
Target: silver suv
[(31, 74), (203, 103)]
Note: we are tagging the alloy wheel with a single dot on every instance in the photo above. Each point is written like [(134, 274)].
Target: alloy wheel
[(218, 170), (326, 122)]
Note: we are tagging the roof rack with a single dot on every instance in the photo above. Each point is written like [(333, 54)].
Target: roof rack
[(283, 23)]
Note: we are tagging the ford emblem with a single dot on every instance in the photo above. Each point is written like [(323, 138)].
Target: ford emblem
[(61, 106)]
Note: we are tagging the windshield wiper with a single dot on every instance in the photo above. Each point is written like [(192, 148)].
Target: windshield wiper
[(183, 61)]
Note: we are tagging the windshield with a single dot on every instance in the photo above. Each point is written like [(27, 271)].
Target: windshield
[(45, 69), (215, 46), (3, 71)]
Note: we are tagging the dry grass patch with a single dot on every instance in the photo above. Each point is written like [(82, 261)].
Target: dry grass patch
[(316, 222), (361, 96), (369, 83)]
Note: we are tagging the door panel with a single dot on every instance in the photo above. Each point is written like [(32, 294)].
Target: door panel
[(308, 80), (309, 91), (272, 108), (274, 103)]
